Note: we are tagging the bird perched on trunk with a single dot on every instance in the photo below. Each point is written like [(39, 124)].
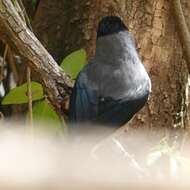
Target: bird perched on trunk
[(114, 85)]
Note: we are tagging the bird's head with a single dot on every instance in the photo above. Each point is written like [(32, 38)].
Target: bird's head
[(110, 25), (114, 44)]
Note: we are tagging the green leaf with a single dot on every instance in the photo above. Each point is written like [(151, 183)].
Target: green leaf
[(74, 62), (48, 119), (34, 3), (13, 1), (18, 95)]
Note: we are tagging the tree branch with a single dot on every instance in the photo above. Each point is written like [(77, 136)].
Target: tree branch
[(183, 30), (56, 83)]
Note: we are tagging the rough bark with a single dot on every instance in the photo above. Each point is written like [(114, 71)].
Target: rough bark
[(183, 30), (154, 27), (49, 25), (56, 83), (70, 25)]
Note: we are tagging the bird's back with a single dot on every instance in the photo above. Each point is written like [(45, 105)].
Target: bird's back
[(103, 96), (115, 85)]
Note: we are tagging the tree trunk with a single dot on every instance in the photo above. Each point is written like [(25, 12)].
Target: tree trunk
[(154, 28), (50, 26), (70, 25), (156, 33), (29, 7)]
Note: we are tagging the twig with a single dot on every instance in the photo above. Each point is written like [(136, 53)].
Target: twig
[(2, 117), (29, 97), (128, 156), (183, 30), (3, 62), (13, 65), (25, 18)]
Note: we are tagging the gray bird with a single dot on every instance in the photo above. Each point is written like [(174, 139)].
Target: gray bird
[(114, 85)]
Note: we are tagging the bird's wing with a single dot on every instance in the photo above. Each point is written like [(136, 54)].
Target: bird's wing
[(117, 112), (84, 100)]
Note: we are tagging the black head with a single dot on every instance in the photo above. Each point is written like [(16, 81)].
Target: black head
[(110, 25)]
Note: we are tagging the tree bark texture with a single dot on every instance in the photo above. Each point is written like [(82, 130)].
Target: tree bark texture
[(154, 27), (158, 41), (56, 83), (184, 33), (50, 23)]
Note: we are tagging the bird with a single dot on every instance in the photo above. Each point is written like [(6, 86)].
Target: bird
[(114, 85)]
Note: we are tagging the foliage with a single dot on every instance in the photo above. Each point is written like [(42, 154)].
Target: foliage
[(34, 2), (42, 110), (74, 62), (18, 95), (44, 114)]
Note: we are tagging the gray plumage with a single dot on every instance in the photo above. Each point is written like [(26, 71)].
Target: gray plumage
[(113, 86)]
